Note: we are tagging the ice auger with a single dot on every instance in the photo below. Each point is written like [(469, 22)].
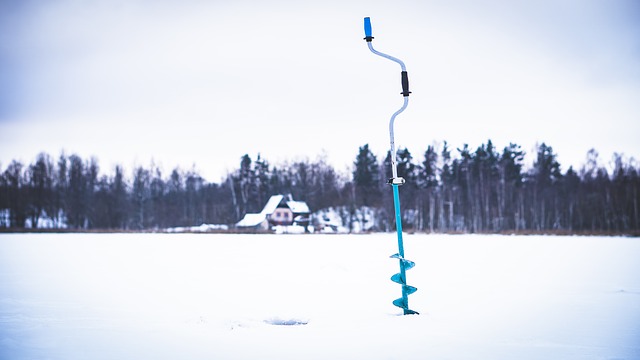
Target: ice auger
[(395, 181)]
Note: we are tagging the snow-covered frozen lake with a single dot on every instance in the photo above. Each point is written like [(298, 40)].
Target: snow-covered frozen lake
[(206, 296)]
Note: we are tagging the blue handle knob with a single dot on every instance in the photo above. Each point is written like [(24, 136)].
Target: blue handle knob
[(367, 29)]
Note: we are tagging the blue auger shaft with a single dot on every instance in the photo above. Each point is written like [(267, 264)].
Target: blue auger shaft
[(396, 205), (395, 181)]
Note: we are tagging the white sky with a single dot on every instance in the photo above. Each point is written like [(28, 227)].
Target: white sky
[(204, 82)]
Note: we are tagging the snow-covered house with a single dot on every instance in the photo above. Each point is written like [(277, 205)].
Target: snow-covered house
[(279, 210)]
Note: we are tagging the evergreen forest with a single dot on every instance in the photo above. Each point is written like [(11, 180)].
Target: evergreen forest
[(481, 190)]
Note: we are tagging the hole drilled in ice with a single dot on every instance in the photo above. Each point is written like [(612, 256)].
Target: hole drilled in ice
[(286, 322)]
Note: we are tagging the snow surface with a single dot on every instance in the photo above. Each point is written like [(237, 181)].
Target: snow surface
[(223, 296)]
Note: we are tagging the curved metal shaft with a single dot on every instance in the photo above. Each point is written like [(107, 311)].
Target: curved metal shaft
[(394, 169), (404, 68)]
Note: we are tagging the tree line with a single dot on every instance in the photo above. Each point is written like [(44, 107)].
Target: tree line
[(461, 190), (486, 190)]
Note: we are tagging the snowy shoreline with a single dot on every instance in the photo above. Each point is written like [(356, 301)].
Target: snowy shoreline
[(220, 230)]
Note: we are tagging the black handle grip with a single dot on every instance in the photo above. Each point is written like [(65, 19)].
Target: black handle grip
[(405, 84)]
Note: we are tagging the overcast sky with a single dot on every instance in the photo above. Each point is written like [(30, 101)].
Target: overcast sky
[(204, 82)]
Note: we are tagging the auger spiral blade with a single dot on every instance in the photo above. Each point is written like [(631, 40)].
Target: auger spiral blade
[(408, 264), (400, 278), (402, 303)]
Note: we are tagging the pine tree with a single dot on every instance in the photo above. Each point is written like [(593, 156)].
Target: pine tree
[(76, 204), (544, 176), (484, 173), (193, 187), (40, 177), (91, 178), (448, 186), (245, 182), (119, 214), (157, 198), (140, 198), (510, 196), (429, 170), (461, 170), (365, 177), (61, 186), (16, 196), (431, 199), (262, 180)]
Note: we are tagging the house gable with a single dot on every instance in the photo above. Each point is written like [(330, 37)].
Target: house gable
[(281, 216), (276, 211)]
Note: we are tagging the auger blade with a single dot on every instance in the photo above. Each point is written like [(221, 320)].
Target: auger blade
[(399, 302), (408, 264), (397, 278), (410, 289), (405, 308)]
